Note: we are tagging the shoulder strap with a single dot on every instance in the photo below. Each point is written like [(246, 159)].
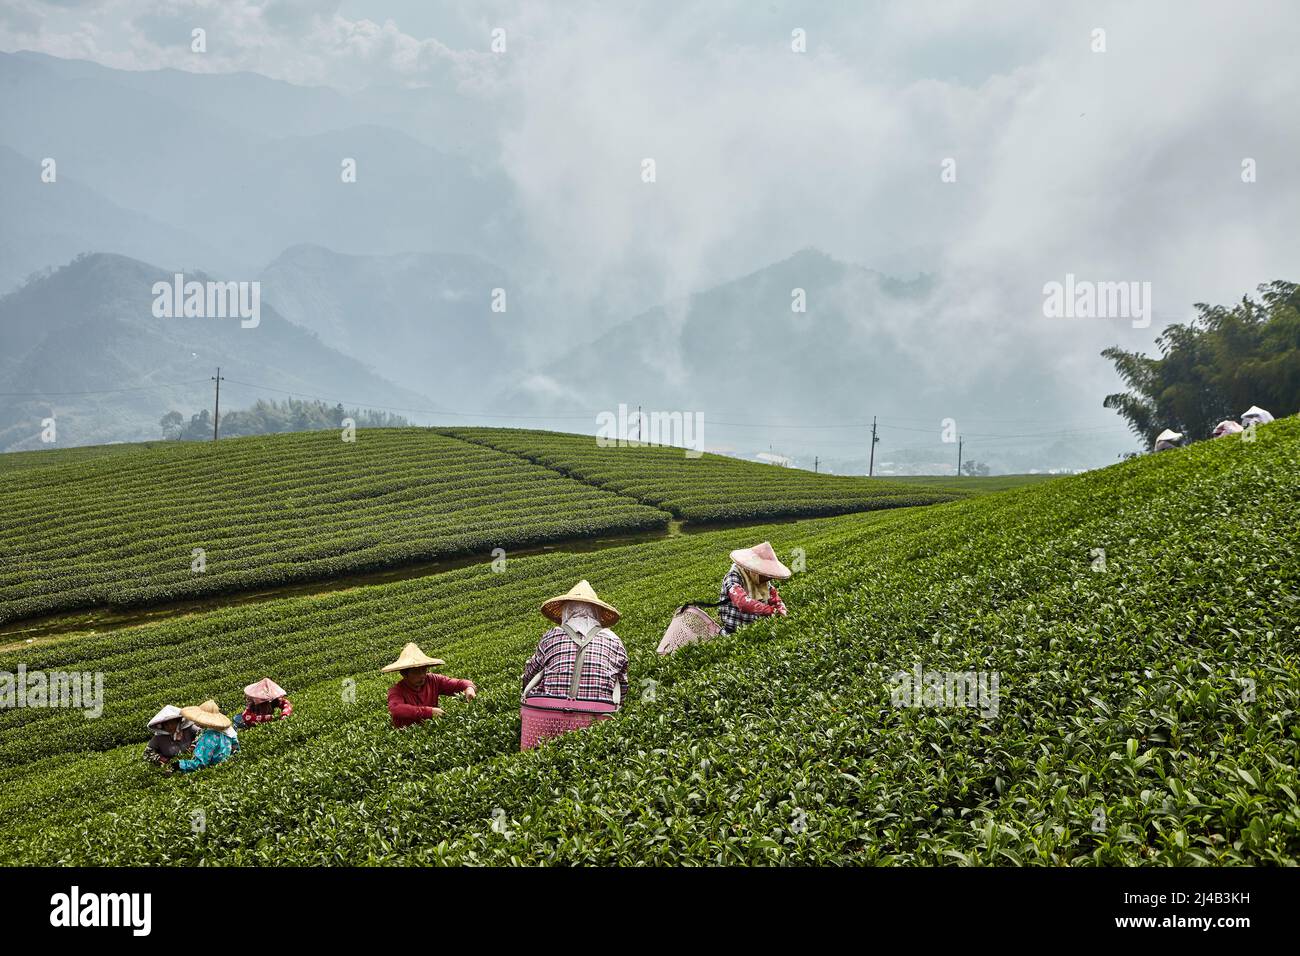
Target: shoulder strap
[(700, 604), (582, 641)]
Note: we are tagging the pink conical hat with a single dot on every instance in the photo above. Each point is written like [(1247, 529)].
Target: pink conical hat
[(761, 559), (1226, 428), (264, 690)]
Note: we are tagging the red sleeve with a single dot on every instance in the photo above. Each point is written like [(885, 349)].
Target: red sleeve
[(286, 709), (401, 711), (746, 603), (451, 685), (776, 600)]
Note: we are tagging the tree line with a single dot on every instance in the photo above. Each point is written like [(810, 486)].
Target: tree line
[(1214, 367), (271, 417)]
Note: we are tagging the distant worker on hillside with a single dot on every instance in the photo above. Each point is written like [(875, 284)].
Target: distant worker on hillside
[(579, 673), (1226, 427), (414, 698), (1256, 416), (1168, 439), (261, 701), (216, 744), (747, 589), (172, 736)]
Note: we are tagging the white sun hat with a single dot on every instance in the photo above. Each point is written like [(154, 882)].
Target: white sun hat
[(1256, 416), (167, 713)]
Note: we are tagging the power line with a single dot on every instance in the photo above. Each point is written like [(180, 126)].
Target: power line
[(875, 424), (102, 391), (419, 411)]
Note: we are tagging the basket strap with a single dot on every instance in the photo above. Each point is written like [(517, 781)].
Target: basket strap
[(582, 641), (702, 604)]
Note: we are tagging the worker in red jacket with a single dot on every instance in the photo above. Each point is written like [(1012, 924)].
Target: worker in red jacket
[(414, 698)]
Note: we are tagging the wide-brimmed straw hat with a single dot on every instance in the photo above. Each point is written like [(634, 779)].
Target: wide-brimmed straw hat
[(169, 712), (1228, 427), (264, 691), (411, 656), (207, 715), (761, 560), (584, 592)]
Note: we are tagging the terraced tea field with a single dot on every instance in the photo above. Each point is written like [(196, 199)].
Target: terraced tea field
[(118, 526), (1146, 708), (708, 488), (967, 485), (121, 528)]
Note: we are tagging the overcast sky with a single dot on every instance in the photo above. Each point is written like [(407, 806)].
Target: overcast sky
[(1117, 165)]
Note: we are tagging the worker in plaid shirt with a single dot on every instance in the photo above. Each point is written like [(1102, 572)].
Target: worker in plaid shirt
[(605, 665), (747, 592)]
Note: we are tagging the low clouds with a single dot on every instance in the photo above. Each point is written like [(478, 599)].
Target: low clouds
[(1116, 165), (300, 41)]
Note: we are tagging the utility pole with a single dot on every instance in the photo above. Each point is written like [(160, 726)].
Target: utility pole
[(638, 424), (216, 409), (958, 456), (816, 460), (871, 466)]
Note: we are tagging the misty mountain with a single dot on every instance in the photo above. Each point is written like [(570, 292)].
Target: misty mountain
[(423, 320), (85, 340), (738, 353), (232, 159), (49, 223), (254, 104)]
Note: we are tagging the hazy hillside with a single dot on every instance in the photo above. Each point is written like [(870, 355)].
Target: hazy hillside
[(251, 179), (738, 353), (50, 223), (89, 328), (256, 103), (422, 319)]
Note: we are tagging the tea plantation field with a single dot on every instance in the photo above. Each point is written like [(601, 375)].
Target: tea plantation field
[(968, 485), (707, 488), (122, 526), (122, 529), (1146, 712)]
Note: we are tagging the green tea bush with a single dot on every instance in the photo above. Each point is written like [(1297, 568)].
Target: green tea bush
[(1146, 715), (704, 489)]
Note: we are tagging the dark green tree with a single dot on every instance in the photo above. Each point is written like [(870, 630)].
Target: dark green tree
[(1215, 367)]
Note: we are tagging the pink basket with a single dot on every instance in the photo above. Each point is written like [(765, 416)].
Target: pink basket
[(689, 625), (542, 717)]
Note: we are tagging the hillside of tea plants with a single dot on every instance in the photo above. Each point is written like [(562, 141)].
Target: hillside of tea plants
[(1142, 622), (120, 526), (706, 488), (122, 529)]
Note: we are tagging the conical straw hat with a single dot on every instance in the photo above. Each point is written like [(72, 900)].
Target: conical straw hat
[(411, 656), (207, 715), (582, 591), (761, 559), (264, 691), (169, 712), (1169, 435)]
